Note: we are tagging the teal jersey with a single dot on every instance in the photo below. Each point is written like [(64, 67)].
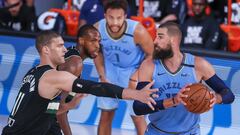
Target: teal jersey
[(122, 56), (122, 52), (174, 119)]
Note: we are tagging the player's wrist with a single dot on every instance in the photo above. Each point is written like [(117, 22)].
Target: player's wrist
[(174, 101), (130, 94), (102, 78)]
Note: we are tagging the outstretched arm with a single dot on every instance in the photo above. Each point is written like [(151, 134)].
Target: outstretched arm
[(62, 80)]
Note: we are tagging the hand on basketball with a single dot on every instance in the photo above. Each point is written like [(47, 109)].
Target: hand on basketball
[(213, 101), (181, 95), (146, 95)]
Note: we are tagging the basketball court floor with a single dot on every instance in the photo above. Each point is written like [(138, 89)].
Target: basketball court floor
[(80, 129), (83, 129)]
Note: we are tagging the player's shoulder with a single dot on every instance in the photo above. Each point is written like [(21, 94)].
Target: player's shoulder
[(74, 61), (147, 64), (201, 63), (54, 75), (96, 25), (140, 31)]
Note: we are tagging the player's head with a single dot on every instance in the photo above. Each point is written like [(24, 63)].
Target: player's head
[(15, 6), (89, 38), (168, 38), (198, 7), (50, 45), (115, 12)]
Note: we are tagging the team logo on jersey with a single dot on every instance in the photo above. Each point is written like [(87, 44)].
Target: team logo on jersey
[(184, 74), (159, 74), (47, 20)]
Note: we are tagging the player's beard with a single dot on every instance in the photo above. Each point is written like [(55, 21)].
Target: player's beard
[(162, 54), (87, 53), (119, 27)]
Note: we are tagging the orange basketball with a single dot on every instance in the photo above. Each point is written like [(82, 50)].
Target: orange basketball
[(198, 100)]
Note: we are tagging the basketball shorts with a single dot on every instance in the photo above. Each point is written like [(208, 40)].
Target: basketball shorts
[(152, 130), (120, 77)]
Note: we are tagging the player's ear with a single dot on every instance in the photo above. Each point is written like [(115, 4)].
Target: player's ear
[(172, 39), (81, 40), (45, 49)]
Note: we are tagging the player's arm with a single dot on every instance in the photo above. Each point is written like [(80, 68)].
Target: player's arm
[(143, 38), (99, 63), (54, 81), (72, 65), (206, 72), (145, 77)]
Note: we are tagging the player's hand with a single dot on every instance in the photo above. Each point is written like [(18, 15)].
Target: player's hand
[(180, 95), (104, 79), (76, 100), (146, 95), (213, 101)]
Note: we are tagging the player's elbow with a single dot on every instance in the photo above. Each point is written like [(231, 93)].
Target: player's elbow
[(231, 98), (228, 98)]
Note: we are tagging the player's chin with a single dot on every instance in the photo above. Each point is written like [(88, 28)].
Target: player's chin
[(62, 61), (115, 29), (94, 56)]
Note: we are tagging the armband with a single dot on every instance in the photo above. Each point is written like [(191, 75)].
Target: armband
[(97, 89), (219, 87)]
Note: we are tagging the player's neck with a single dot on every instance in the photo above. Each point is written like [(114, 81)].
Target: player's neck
[(174, 62), (119, 34), (46, 61)]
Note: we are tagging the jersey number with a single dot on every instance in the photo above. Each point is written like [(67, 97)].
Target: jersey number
[(117, 57)]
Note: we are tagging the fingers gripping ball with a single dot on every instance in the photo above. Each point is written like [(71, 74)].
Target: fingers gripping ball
[(198, 100)]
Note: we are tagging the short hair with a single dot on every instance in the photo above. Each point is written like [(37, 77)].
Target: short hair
[(173, 29), (44, 38), (116, 4), (84, 30)]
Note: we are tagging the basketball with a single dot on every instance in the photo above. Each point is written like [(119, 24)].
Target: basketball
[(198, 100)]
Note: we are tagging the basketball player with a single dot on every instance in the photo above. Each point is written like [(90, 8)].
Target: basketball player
[(31, 113), (172, 70), (88, 39), (124, 44)]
